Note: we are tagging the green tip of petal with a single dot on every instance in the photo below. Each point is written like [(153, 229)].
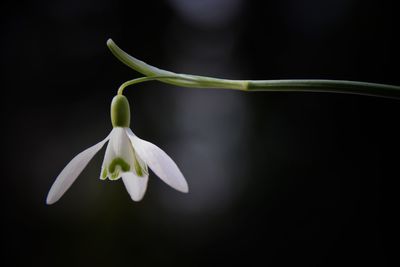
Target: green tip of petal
[(104, 174), (114, 175), (120, 111)]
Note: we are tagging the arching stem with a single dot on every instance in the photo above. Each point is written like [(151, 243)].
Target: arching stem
[(196, 81)]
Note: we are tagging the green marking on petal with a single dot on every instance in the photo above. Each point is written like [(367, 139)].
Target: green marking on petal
[(115, 167), (138, 168), (119, 162), (104, 174), (115, 175)]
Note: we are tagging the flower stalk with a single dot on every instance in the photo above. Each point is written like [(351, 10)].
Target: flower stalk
[(196, 81)]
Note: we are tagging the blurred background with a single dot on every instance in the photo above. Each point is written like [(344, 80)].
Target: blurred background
[(275, 178)]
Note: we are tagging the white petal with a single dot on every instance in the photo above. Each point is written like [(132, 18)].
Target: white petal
[(119, 146), (69, 174), (135, 185), (159, 162), (106, 161), (108, 155)]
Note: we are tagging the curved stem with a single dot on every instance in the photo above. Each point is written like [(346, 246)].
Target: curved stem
[(144, 79), (196, 81)]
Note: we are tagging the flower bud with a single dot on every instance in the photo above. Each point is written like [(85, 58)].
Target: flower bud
[(120, 111)]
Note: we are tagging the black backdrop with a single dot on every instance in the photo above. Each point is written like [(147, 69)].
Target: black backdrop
[(275, 178)]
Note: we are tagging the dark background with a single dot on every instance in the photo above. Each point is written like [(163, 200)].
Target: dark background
[(275, 178)]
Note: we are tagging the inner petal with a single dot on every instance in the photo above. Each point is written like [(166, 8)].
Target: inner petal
[(104, 173), (140, 167), (118, 161), (121, 157), (116, 174)]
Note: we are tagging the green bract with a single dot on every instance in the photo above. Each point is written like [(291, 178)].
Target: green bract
[(120, 111)]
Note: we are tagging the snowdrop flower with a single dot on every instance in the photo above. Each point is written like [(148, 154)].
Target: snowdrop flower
[(127, 157)]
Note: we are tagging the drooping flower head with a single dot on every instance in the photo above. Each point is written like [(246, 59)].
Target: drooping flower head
[(127, 157)]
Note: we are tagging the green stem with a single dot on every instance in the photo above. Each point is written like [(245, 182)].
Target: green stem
[(328, 86), (196, 81), (145, 79)]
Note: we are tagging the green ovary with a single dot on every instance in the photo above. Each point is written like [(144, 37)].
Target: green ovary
[(120, 111)]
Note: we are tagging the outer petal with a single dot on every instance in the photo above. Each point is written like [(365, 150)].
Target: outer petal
[(135, 185), (159, 162), (69, 174)]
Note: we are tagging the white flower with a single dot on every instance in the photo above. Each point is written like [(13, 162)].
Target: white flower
[(126, 156)]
